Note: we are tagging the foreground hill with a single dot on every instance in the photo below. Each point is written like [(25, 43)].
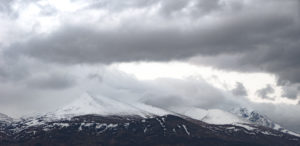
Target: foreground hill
[(134, 130)]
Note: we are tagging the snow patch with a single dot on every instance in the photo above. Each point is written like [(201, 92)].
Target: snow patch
[(62, 125), (185, 129), (245, 126)]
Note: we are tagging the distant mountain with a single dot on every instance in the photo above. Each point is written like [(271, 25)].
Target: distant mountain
[(259, 119), (97, 120)]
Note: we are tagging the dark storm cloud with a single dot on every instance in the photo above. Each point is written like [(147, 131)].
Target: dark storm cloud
[(239, 90), (77, 44), (264, 92), (166, 7), (258, 38)]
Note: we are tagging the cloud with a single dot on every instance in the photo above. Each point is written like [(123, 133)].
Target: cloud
[(231, 35), (5, 6), (264, 92), (239, 90), (290, 91), (106, 81), (162, 92)]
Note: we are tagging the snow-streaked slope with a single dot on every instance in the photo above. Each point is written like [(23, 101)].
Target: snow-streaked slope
[(211, 116), (88, 104), (239, 117)]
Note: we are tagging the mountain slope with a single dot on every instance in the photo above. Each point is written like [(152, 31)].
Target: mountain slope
[(88, 104), (92, 120), (158, 130)]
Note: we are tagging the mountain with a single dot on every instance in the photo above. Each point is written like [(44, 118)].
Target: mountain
[(236, 116), (97, 120), (133, 130)]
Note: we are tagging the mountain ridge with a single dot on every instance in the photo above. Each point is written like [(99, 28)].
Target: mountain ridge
[(132, 130), (109, 118), (88, 104)]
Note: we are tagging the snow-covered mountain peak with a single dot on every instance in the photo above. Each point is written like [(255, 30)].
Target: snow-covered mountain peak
[(100, 105)]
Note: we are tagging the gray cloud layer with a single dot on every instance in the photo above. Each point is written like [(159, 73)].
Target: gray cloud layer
[(258, 37)]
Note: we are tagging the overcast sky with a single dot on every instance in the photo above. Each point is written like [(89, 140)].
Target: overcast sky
[(166, 53)]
